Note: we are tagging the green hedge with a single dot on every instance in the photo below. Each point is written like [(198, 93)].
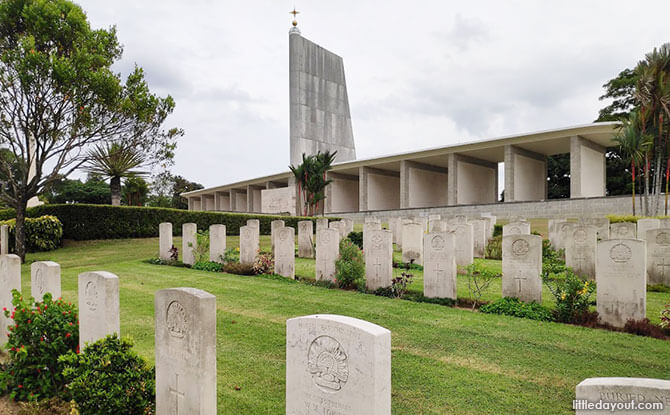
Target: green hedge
[(42, 234), (86, 222)]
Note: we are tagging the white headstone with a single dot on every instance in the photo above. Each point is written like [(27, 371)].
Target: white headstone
[(217, 243), (554, 228), (321, 224), (274, 226), (98, 306), (464, 243), (337, 365), (621, 393), (644, 225), (367, 228), (249, 245), (4, 240), (621, 269), (339, 226), (165, 236), (658, 256), (522, 267), (479, 238), (395, 227), (348, 226), (285, 252), (516, 228), (256, 224), (439, 265), (369, 219), (45, 278), (412, 242), (327, 251), (185, 352), (623, 230), (306, 239), (378, 259), (189, 242), (436, 224), (580, 250), (491, 224), (10, 279), (564, 234), (602, 226)]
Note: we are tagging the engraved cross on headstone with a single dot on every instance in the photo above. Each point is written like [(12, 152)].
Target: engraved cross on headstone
[(177, 394), (662, 265), (438, 269), (518, 279), (378, 265), (579, 259)]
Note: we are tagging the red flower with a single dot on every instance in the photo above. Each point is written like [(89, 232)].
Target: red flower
[(4, 308), (28, 321), (77, 349), (20, 386), (67, 334), (70, 323)]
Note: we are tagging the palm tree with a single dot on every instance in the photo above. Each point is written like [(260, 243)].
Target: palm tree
[(311, 179), (634, 145), (115, 161)]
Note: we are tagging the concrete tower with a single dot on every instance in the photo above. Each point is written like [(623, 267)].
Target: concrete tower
[(320, 118)]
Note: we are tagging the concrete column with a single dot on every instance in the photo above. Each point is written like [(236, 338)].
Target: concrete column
[(587, 168), (422, 185), (471, 181), (363, 189), (254, 198), (378, 189), (232, 194), (525, 175)]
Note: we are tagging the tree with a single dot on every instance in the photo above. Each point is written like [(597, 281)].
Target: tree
[(135, 191), (166, 191), (310, 177), (59, 97), (622, 91), (94, 191), (115, 162)]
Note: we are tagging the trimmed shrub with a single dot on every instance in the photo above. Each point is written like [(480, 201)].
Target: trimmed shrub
[(631, 218), (42, 234), (349, 266), (108, 378), (208, 266), (356, 238), (43, 331), (87, 222), (509, 306)]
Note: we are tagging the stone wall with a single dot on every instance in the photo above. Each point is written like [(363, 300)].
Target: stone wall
[(558, 208), (279, 200)]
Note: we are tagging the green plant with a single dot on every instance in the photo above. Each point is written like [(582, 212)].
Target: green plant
[(399, 284), (208, 266), (115, 161), (479, 280), (174, 254), (231, 255), (349, 266), (497, 230), (356, 238), (658, 288), (42, 332), (44, 233), (572, 295), (264, 263), (86, 222), (310, 176), (494, 248), (665, 317), (510, 306), (109, 378), (201, 251)]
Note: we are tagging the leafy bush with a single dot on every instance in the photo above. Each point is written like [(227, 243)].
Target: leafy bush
[(201, 251), (399, 284), (494, 248), (264, 263), (665, 317), (42, 234), (42, 332), (479, 280), (208, 266), (510, 306), (644, 328), (349, 266), (572, 295), (239, 269), (86, 222), (356, 238), (108, 378), (231, 255)]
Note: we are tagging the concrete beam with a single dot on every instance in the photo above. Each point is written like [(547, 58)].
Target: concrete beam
[(588, 171), (525, 175)]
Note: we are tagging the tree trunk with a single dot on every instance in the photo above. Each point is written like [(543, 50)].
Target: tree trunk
[(115, 187), (20, 231)]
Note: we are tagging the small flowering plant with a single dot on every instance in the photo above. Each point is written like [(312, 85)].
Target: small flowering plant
[(42, 332), (572, 294), (665, 317)]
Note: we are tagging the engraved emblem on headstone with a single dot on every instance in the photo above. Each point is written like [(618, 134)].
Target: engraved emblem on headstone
[(246, 233), (91, 295), (377, 241), (621, 253), (515, 230), (580, 236), (325, 237), (327, 363), (283, 234), (663, 238), (520, 247), (176, 321), (437, 242)]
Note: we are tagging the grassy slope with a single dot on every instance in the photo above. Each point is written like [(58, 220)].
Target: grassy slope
[(445, 360)]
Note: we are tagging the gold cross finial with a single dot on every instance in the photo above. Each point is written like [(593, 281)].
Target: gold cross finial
[(294, 13)]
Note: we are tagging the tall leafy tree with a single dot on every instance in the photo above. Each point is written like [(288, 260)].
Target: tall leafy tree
[(59, 96), (115, 162), (311, 180), (621, 90)]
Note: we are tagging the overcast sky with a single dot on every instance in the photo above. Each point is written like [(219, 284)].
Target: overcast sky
[(419, 74)]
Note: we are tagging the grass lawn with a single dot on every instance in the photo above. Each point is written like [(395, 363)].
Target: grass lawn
[(445, 360)]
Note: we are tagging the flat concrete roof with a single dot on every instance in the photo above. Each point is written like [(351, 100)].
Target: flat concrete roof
[(548, 142)]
